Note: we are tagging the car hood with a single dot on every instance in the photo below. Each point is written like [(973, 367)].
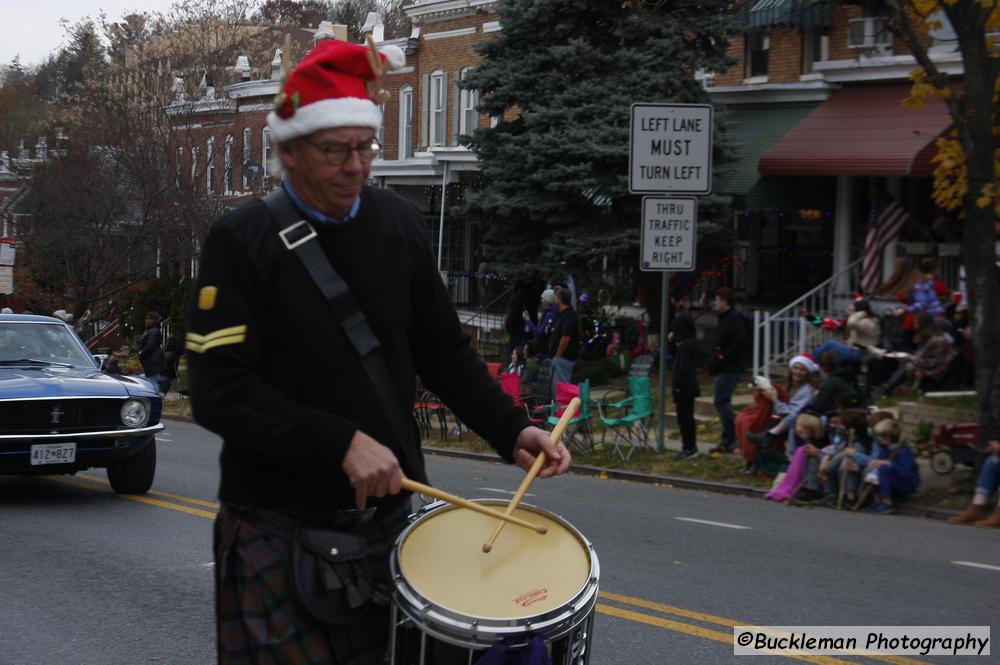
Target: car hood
[(41, 382)]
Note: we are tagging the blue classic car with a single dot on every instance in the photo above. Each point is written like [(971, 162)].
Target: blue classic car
[(59, 413)]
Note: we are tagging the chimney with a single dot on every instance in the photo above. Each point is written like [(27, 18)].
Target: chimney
[(242, 68), (41, 148), (22, 152), (373, 24), (276, 66), (178, 89)]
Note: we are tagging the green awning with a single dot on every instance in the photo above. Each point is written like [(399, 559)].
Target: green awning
[(764, 14), (751, 129)]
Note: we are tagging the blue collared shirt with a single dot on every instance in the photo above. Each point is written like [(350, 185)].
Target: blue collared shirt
[(315, 215)]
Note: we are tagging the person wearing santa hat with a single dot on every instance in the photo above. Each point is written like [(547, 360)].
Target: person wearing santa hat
[(308, 443), (802, 385)]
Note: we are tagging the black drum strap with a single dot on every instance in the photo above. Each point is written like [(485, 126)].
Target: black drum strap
[(299, 236)]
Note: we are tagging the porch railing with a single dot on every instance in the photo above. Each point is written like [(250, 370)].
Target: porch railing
[(780, 336)]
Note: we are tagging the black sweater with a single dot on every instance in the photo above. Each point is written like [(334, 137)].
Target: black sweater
[(272, 373)]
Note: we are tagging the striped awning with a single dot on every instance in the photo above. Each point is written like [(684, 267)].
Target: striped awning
[(764, 14)]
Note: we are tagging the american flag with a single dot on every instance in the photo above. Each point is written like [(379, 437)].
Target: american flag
[(886, 220)]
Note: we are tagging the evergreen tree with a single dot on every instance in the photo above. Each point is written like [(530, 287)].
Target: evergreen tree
[(562, 75)]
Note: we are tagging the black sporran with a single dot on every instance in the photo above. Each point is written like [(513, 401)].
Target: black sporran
[(328, 576)]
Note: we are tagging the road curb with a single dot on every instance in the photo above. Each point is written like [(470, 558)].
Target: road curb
[(634, 476)]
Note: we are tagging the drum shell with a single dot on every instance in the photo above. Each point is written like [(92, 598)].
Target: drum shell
[(482, 632)]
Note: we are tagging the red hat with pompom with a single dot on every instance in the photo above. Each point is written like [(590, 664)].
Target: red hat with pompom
[(330, 88)]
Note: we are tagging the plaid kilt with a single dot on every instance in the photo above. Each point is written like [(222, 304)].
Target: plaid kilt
[(257, 622)]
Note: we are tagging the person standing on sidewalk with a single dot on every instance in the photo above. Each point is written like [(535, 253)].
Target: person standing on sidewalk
[(565, 341), (684, 381), (309, 443), (732, 338)]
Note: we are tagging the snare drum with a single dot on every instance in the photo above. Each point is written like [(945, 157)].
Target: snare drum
[(530, 584)]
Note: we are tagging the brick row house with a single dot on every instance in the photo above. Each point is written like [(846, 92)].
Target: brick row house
[(813, 109)]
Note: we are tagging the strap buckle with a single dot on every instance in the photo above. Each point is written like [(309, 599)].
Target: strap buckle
[(292, 244)]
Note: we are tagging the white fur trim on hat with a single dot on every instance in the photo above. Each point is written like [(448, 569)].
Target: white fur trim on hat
[(325, 114), (806, 362)]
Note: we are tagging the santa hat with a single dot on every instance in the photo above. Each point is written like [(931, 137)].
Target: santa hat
[(331, 87), (806, 360)]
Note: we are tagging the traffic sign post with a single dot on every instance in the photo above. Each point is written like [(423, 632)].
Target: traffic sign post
[(670, 152)]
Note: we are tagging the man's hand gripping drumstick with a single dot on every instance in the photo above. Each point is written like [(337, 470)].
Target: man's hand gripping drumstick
[(536, 466)]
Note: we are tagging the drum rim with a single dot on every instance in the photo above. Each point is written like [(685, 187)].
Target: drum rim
[(433, 618)]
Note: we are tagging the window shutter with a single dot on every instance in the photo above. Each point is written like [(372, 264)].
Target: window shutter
[(456, 107), (425, 99)]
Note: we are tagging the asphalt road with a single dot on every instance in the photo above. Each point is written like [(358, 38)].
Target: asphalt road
[(94, 578)]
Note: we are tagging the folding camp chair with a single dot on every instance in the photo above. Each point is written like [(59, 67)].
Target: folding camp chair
[(536, 406), (627, 417), (579, 426), (428, 411)]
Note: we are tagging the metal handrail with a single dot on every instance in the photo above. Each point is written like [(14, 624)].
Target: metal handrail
[(484, 309), (779, 336)]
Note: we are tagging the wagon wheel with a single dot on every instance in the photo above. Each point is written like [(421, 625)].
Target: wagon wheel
[(942, 462)]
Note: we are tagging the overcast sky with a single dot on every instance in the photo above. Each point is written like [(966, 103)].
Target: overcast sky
[(31, 28)]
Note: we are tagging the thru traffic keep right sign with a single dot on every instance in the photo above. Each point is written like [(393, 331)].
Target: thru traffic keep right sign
[(669, 233)]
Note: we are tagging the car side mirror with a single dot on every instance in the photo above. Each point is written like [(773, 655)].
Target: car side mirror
[(101, 359)]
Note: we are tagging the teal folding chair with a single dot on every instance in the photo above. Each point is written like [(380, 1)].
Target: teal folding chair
[(628, 418), (579, 427)]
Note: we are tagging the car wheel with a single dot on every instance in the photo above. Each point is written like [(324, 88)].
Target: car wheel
[(942, 462), (134, 474)]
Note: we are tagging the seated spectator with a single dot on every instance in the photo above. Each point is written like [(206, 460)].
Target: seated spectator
[(891, 470), (978, 512), (929, 366), (801, 387), (924, 295), (860, 328), (848, 428), (757, 418), (810, 430), (835, 381)]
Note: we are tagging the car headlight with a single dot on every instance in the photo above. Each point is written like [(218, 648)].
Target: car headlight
[(135, 413)]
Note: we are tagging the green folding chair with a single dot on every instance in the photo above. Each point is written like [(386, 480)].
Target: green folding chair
[(628, 418), (579, 427)]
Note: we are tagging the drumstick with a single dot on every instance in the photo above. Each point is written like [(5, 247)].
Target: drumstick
[(414, 486), (539, 462)]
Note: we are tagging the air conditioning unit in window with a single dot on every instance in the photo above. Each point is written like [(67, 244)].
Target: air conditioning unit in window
[(870, 33)]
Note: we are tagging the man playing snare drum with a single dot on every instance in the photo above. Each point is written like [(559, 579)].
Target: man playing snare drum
[(309, 441)]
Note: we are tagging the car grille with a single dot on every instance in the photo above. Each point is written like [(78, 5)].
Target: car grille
[(73, 415)]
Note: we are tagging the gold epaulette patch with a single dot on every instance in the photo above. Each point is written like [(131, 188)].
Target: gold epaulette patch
[(206, 298), (202, 343)]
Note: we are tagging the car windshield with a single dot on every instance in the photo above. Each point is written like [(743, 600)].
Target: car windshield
[(40, 344)]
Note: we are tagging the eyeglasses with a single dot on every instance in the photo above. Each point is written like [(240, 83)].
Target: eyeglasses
[(338, 153)]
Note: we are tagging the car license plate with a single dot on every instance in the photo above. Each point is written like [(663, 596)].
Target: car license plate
[(53, 453)]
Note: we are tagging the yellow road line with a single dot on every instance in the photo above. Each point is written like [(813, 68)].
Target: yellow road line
[(166, 495), (698, 631), (723, 621), (677, 626)]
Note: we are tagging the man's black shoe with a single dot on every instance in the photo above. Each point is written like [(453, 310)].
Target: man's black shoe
[(749, 469), (685, 454), (759, 439), (722, 448)]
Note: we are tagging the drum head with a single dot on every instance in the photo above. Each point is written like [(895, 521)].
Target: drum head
[(526, 573)]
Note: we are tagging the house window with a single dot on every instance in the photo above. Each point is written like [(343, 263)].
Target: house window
[(265, 149), (380, 134), (227, 166), (194, 167), (210, 166), (247, 152), (405, 122), (815, 47), (177, 167), (439, 93), (757, 46), (469, 103)]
